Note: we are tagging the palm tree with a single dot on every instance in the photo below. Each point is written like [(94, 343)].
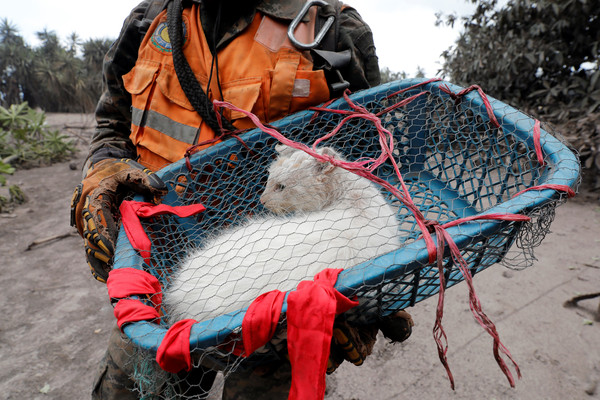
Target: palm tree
[(52, 76), (73, 44), (15, 60), (94, 51)]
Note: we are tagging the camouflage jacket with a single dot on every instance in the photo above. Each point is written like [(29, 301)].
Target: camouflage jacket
[(113, 112)]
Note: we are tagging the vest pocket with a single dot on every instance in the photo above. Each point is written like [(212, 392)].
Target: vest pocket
[(140, 77), (164, 123), (243, 94), (169, 86), (294, 87)]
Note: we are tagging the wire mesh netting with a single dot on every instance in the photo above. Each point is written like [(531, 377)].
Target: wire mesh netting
[(384, 170)]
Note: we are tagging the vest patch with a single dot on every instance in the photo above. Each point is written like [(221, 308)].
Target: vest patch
[(160, 38)]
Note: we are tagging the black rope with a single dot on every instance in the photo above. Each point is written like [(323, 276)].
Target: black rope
[(214, 65), (190, 85)]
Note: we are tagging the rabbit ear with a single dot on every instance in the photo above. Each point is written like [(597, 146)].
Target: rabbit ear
[(326, 167)]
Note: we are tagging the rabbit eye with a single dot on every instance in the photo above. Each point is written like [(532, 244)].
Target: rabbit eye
[(279, 187)]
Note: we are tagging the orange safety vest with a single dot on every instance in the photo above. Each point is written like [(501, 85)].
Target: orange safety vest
[(259, 71)]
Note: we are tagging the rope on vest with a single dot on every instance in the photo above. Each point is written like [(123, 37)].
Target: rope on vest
[(187, 80)]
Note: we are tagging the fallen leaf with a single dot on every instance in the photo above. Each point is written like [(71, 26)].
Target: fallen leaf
[(45, 389), (98, 331), (588, 322)]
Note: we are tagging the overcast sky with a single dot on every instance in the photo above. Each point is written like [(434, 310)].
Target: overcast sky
[(404, 30)]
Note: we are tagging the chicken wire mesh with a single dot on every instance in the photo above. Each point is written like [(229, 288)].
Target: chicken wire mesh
[(275, 216)]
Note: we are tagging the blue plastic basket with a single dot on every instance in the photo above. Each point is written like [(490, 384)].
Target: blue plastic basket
[(454, 161)]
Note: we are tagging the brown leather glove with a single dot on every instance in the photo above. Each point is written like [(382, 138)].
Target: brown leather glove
[(397, 327), (95, 206), (351, 343), (355, 343)]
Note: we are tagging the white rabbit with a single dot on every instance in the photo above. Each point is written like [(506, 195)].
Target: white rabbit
[(339, 220)]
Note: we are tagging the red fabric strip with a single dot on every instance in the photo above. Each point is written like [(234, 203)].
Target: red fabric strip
[(260, 320), (311, 311), (312, 308), (131, 211), (173, 354), (133, 227), (149, 210), (130, 310), (126, 282)]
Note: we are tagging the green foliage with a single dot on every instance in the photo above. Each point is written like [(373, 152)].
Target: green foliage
[(532, 52), (11, 198), (26, 140), (542, 56), (388, 76), (17, 196), (5, 169), (52, 76)]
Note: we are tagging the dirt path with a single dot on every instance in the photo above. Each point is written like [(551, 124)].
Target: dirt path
[(56, 318)]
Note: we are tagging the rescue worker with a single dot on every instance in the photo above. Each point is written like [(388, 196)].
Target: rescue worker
[(159, 83)]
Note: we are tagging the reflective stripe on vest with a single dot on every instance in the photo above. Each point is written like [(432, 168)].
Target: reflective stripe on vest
[(259, 71), (164, 124)]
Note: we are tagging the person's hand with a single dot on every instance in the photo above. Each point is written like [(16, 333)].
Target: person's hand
[(95, 206), (355, 343), (351, 343), (397, 327)]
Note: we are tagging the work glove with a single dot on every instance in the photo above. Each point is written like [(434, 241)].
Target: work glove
[(397, 327), (95, 206), (355, 343)]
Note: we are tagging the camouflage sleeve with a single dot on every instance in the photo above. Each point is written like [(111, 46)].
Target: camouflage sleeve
[(113, 112), (354, 34)]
